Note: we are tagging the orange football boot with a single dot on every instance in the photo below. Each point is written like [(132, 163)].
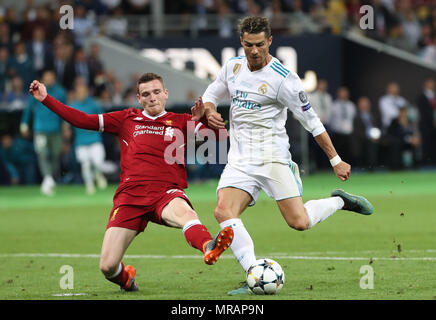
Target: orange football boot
[(215, 247)]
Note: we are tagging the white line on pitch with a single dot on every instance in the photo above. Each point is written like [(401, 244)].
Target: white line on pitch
[(147, 256)]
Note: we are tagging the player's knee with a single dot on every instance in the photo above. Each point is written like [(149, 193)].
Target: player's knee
[(222, 213), (299, 224)]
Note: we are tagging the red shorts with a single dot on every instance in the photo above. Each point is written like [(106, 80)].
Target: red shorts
[(136, 205)]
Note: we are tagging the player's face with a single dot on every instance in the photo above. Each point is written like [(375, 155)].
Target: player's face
[(256, 47), (152, 96)]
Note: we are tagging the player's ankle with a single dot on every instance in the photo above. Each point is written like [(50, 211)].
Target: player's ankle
[(205, 245)]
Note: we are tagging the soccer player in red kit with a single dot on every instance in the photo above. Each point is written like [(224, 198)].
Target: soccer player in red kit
[(152, 178)]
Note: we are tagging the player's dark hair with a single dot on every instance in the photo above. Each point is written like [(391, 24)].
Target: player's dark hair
[(147, 77), (254, 25)]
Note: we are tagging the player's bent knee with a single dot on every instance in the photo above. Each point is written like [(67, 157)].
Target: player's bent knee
[(222, 213), (299, 224)]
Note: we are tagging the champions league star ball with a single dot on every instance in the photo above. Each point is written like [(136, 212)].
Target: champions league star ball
[(265, 276)]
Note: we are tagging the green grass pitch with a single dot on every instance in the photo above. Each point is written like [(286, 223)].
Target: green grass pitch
[(39, 235)]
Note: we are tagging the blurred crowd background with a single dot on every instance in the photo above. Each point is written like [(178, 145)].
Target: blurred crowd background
[(390, 133)]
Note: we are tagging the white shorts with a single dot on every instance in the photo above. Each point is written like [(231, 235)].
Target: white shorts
[(279, 181), (93, 153)]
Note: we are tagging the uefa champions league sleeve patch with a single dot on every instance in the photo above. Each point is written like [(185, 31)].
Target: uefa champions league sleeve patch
[(306, 107)]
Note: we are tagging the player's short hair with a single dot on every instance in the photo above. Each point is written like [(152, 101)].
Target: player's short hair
[(254, 25), (147, 77)]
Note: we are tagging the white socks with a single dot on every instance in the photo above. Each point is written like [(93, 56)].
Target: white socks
[(319, 210), (242, 245)]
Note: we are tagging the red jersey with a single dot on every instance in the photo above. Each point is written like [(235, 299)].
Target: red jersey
[(152, 148)]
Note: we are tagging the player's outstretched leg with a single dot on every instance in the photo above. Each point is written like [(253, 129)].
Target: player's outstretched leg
[(215, 247), (354, 202)]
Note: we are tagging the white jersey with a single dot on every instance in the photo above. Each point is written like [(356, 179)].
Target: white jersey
[(258, 111)]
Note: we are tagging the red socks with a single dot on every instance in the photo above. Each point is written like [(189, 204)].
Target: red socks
[(196, 234), (121, 278)]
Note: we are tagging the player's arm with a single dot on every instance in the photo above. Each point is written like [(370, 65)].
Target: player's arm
[(214, 94), (292, 95), (73, 116), (341, 168), (199, 114)]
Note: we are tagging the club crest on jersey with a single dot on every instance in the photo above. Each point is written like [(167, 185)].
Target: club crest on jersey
[(236, 68), (169, 132), (303, 96), (263, 88), (169, 122)]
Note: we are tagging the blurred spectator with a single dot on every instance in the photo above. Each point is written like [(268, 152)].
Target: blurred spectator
[(88, 144), (84, 26), (412, 28), (341, 123), (225, 29), (425, 38), (336, 15), (428, 53), (95, 64), (427, 123), (274, 12), (21, 64), (14, 23), (39, 18), (18, 157), (398, 39), (40, 51), (81, 68), (117, 92), (64, 65), (5, 39), (299, 21), (383, 20), (367, 134), (4, 65), (116, 24), (403, 141), (390, 104), (322, 101), (47, 132), (17, 97)]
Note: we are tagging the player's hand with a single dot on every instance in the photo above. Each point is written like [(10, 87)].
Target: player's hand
[(214, 120), (38, 90), (342, 170), (197, 110)]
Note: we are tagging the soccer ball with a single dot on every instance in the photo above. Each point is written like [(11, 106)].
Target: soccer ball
[(265, 276)]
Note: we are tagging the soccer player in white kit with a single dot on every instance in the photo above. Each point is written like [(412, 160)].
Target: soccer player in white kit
[(262, 91)]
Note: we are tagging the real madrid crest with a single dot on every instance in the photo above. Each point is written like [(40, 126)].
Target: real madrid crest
[(263, 88), (236, 68)]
